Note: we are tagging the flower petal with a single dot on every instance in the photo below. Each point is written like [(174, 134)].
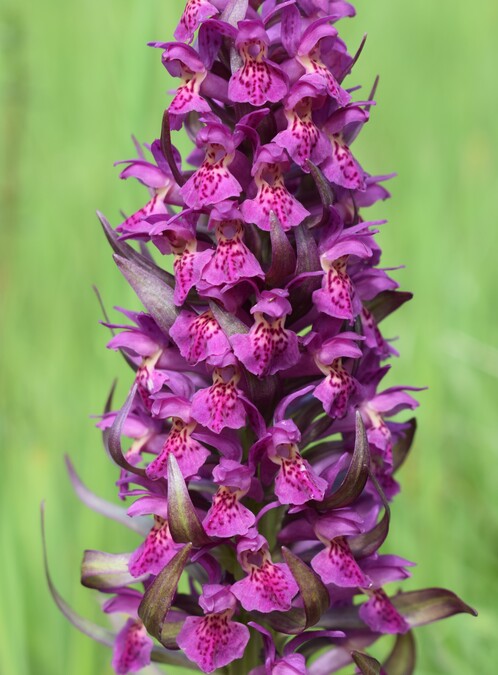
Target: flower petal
[(268, 588), (227, 516), (213, 641)]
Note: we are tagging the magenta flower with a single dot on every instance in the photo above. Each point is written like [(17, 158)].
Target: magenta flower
[(260, 466), (214, 640), (272, 196)]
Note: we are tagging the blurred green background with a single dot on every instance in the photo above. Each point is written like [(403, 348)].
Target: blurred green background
[(76, 80)]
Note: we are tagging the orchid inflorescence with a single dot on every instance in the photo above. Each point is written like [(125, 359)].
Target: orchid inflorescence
[(263, 444)]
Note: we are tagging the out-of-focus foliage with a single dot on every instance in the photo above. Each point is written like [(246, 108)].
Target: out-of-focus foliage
[(75, 81)]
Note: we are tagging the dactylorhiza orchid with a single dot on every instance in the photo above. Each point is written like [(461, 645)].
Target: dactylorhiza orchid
[(263, 450)]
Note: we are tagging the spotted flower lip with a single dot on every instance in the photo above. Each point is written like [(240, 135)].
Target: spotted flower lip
[(214, 640), (200, 338), (133, 645), (194, 13), (303, 139), (257, 450), (220, 405), (212, 182), (268, 586), (232, 261), (184, 62), (272, 196), (268, 347)]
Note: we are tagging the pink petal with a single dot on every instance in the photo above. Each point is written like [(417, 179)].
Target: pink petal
[(336, 296), (342, 168), (273, 197), (135, 224), (155, 552), (381, 616), (212, 182), (132, 648), (336, 565), (219, 406), (227, 516), (190, 454), (302, 139), (188, 267), (267, 588), (187, 97), (213, 641), (335, 391), (296, 482), (231, 261), (268, 348), (200, 338), (257, 82), (194, 13)]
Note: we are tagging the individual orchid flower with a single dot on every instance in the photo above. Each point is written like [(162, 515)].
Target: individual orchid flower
[(200, 338), (220, 405), (272, 196), (232, 261), (338, 296), (212, 182), (259, 80), (310, 56), (257, 451), (268, 347), (227, 516), (296, 482), (338, 386), (164, 190), (268, 586), (133, 645), (189, 453), (336, 564), (188, 266), (214, 640), (383, 405), (194, 13), (158, 548), (183, 61), (302, 138), (381, 616), (341, 167)]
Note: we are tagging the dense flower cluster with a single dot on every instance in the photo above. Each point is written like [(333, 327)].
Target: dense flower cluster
[(263, 441)]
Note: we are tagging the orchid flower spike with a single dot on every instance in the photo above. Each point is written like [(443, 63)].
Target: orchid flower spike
[(257, 451)]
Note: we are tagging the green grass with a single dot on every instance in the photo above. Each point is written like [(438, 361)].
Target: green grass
[(75, 82)]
